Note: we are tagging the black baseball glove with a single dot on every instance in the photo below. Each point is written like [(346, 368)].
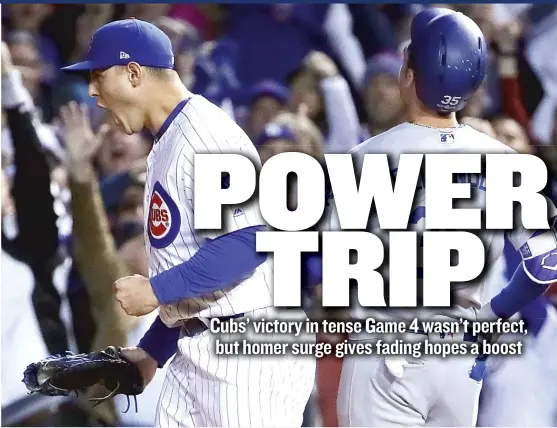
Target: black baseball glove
[(61, 375)]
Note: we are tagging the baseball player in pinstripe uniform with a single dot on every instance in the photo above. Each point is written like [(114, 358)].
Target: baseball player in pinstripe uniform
[(194, 276)]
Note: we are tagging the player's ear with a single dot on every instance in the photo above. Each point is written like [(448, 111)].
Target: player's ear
[(406, 76), (135, 73), (410, 76), (402, 77)]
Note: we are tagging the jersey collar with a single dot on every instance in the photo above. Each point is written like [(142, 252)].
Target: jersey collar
[(170, 118)]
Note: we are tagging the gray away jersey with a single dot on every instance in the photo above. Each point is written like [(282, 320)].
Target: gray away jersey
[(411, 138)]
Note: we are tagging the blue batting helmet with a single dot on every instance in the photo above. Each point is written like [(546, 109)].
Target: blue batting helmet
[(448, 54)]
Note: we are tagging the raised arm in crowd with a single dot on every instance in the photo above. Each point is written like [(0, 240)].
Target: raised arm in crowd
[(36, 241)]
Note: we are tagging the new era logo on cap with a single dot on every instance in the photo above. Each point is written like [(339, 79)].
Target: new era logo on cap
[(124, 55)]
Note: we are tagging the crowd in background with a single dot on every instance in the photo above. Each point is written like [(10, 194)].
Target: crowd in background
[(316, 78)]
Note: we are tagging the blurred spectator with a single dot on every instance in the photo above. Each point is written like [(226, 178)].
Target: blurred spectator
[(507, 36), (205, 18), (374, 28), (29, 18), (146, 11), (94, 16), (548, 152), (119, 150), (33, 199), (26, 57), (541, 42), (402, 15), (265, 101), (305, 89), (274, 139), (344, 46), (324, 93), (175, 29), (185, 43), (307, 137), (479, 125), (274, 39), (290, 132), (483, 15), (103, 258), (512, 134), (70, 87), (20, 328), (382, 99), (554, 129), (215, 74), (475, 107)]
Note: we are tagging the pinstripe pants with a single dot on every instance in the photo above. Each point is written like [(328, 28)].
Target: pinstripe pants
[(202, 389)]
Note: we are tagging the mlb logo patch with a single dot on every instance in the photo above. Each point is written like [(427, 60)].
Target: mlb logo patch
[(164, 218), (447, 138)]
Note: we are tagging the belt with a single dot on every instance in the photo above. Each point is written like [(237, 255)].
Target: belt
[(194, 326)]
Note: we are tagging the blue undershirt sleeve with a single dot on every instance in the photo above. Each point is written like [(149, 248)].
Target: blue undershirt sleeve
[(520, 291), (160, 342), (219, 263), (535, 314)]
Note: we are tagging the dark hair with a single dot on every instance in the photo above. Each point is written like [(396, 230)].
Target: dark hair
[(159, 73), (411, 57)]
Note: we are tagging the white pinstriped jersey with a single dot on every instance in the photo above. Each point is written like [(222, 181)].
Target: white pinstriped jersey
[(203, 389), (200, 127)]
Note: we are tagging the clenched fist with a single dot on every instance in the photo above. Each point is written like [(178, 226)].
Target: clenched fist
[(136, 295)]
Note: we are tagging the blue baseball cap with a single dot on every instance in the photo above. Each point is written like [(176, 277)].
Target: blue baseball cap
[(121, 42), (383, 63), (268, 88), (274, 131)]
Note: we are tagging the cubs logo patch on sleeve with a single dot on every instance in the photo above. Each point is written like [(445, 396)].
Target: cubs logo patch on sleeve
[(164, 218)]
